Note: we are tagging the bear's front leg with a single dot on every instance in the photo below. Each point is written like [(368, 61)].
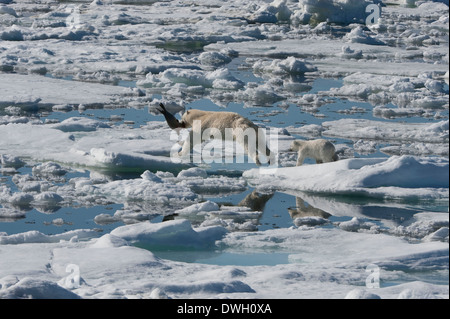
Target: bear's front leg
[(300, 159), (188, 145)]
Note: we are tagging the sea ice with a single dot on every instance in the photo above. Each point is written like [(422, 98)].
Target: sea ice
[(288, 66), (64, 57), (214, 58), (336, 11), (314, 266), (49, 168), (119, 149), (77, 124), (398, 176), (44, 91), (29, 287), (218, 79), (276, 11), (38, 237), (171, 233), (385, 131), (10, 161), (145, 189)]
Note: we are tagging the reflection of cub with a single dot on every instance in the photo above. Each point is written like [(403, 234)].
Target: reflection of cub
[(302, 209), (321, 150), (221, 121)]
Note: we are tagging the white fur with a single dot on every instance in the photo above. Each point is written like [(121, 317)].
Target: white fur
[(222, 121), (321, 150)]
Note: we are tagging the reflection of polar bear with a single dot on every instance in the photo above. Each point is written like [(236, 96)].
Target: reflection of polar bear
[(221, 125), (321, 150)]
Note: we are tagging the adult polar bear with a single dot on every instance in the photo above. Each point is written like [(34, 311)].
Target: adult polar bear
[(227, 125)]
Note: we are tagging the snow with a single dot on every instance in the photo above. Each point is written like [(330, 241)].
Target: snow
[(73, 73), (114, 255), (77, 124), (429, 133), (104, 149), (172, 233), (42, 91), (35, 288), (193, 172), (214, 58), (197, 208), (49, 168), (218, 79), (360, 293), (48, 198), (145, 188), (11, 161), (288, 66), (398, 176), (38, 237), (334, 11)]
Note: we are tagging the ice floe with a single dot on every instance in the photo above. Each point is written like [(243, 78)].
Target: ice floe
[(288, 66), (429, 133), (218, 79), (171, 233), (38, 237), (114, 254), (121, 150), (47, 91), (333, 11), (396, 177), (148, 189)]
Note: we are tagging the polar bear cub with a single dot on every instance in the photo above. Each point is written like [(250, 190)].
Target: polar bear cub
[(321, 150)]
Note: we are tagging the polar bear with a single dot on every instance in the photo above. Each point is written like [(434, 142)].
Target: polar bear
[(321, 150), (225, 124)]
